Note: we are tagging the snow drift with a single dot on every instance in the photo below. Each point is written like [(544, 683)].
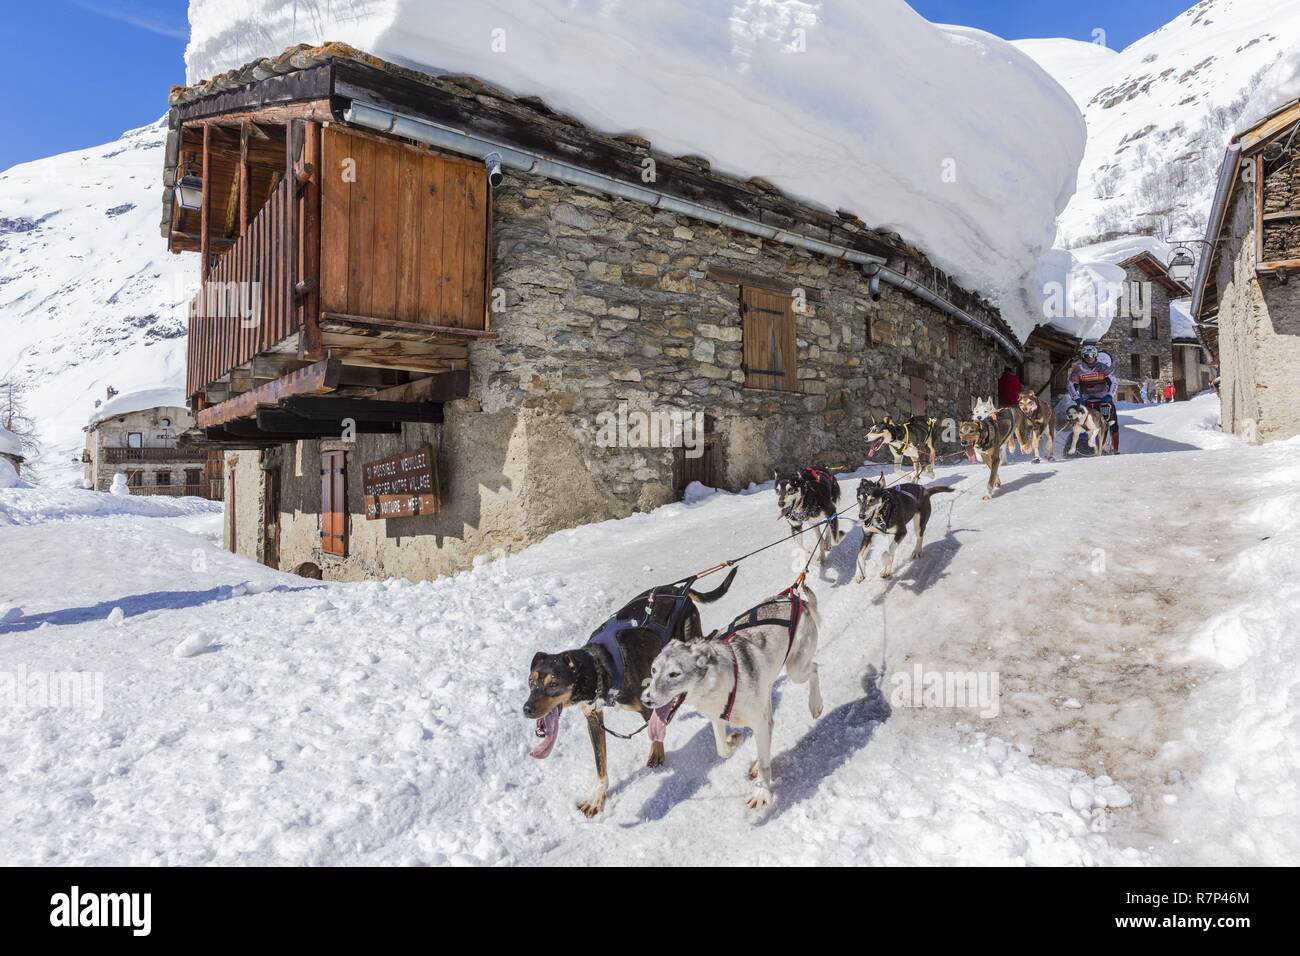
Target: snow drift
[(949, 136)]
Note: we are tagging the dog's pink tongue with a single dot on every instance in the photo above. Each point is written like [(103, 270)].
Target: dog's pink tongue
[(970, 454), (548, 728)]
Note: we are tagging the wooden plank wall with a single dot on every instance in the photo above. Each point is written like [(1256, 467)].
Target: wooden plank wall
[(403, 233)]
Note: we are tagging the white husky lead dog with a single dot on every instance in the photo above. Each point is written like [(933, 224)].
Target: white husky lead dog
[(729, 675)]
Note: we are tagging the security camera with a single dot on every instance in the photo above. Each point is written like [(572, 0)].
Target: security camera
[(493, 163)]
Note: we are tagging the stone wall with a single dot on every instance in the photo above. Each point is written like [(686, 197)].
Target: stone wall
[(1259, 336), (602, 302)]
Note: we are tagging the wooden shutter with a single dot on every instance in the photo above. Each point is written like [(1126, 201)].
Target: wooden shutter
[(954, 344), (768, 341), (334, 503), (1136, 361)]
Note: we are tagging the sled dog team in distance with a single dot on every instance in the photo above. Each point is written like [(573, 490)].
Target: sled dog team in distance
[(652, 655)]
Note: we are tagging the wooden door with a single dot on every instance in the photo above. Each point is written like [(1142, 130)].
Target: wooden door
[(231, 510), (271, 518), (333, 503)]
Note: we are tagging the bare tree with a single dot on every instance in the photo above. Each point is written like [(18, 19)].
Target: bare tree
[(15, 417)]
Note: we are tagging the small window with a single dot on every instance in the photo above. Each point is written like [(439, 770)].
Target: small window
[(165, 422), (334, 503), (1136, 361), (135, 440), (954, 343), (1155, 366), (163, 478), (770, 353), (1155, 327)]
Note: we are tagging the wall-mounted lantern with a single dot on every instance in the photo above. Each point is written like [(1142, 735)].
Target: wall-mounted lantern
[(1182, 264), (189, 188)]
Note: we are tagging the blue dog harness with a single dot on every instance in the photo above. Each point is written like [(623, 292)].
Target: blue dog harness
[(606, 636)]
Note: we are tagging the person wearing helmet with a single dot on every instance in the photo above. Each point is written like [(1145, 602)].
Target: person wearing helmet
[(1093, 383)]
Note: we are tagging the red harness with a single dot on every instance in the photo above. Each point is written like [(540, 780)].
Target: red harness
[(792, 623)]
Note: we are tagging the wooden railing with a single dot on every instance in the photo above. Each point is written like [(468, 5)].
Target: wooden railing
[(117, 454), (173, 491), (244, 306)]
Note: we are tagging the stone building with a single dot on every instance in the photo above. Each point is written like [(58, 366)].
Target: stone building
[(370, 432), (1140, 338), (141, 435), (1247, 298)]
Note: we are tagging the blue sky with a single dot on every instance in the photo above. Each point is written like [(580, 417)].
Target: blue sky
[(77, 73)]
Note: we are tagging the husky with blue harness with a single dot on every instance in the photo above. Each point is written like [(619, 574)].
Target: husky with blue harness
[(885, 510), (609, 671)]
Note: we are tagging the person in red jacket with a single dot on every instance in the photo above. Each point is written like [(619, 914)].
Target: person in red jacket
[(1169, 392), (1008, 388)]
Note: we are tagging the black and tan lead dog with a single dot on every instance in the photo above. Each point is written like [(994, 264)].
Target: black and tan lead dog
[(610, 669), (810, 495), (884, 510)]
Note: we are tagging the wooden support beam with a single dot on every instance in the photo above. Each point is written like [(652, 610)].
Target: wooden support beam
[(362, 409), (445, 387), (273, 424), (244, 177), (366, 325), (310, 200), (320, 378), (206, 205)]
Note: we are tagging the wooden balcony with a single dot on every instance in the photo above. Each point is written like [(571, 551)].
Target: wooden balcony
[(116, 454), (357, 286)]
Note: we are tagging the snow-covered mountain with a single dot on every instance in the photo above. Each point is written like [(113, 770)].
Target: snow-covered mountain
[(89, 295), (1160, 112)]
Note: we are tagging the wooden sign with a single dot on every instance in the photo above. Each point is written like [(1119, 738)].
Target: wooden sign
[(402, 485)]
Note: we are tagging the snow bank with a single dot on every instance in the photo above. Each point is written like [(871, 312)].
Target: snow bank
[(947, 135), (10, 444), (36, 505), (8, 474), (158, 396), (1240, 800)]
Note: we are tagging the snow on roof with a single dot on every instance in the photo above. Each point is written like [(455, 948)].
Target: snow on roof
[(1126, 247), (947, 135), (1181, 325), (10, 443), (164, 396)]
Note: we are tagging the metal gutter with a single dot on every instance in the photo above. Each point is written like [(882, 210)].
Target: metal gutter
[(1222, 192), (382, 120)]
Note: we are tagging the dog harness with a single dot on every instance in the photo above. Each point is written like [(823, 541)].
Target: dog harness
[(814, 476), (751, 619), (606, 636)]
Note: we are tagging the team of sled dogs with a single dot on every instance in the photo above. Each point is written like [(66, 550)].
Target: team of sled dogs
[(652, 655)]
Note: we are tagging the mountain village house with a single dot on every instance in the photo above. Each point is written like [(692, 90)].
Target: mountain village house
[(1140, 339), (1247, 301), (147, 436), (439, 320)]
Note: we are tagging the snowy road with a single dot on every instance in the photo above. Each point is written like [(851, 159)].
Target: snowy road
[(1132, 611)]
